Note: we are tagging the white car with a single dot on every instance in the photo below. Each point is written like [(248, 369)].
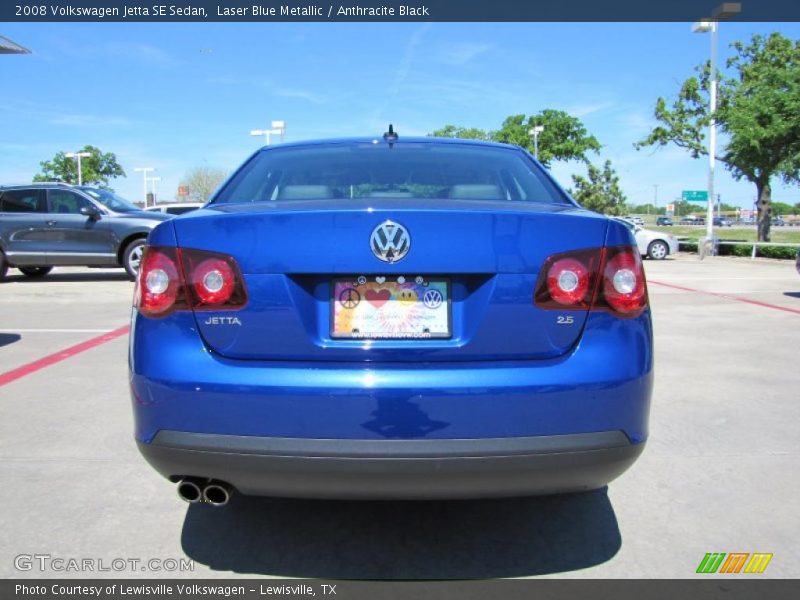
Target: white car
[(655, 244), (175, 208), (636, 221)]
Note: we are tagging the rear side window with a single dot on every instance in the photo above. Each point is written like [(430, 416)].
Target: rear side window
[(22, 201), (404, 170), (65, 202)]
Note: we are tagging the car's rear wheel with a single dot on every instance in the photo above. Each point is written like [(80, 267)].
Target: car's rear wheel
[(657, 250), (132, 257), (35, 271)]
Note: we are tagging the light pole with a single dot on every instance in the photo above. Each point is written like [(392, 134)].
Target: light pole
[(264, 132), (655, 197), (144, 171), (278, 128), (721, 12), (78, 156), (154, 180), (535, 131)]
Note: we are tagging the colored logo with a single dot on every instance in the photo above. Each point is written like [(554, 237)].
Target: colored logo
[(349, 298), (735, 562), (407, 297), (432, 299), (390, 241), (378, 297)]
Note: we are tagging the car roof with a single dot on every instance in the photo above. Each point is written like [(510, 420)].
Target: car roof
[(33, 184)]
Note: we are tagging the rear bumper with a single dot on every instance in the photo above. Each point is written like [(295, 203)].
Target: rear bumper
[(397, 469)]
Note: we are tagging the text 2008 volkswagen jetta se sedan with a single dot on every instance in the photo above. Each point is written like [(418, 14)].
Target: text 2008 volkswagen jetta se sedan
[(390, 318)]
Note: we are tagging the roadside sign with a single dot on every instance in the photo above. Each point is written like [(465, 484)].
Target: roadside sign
[(183, 190), (670, 210), (694, 196)]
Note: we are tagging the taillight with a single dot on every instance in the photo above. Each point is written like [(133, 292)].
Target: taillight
[(159, 287), (624, 287), (569, 280), (214, 281), (176, 278), (596, 279)]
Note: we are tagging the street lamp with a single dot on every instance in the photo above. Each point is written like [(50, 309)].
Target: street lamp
[(154, 180), (144, 171), (78, 156), (278, 128), (721, 12), (535, 133)]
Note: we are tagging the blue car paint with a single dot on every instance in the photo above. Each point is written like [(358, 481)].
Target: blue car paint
[(590, 389), (595, 376)]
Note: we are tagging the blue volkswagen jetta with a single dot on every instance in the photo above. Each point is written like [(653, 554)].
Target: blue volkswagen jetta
[(390, 318)]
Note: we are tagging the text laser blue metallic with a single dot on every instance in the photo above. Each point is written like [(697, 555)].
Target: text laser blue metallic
[(395, 317)]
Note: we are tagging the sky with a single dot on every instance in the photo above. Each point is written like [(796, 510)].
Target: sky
[(180, 95)]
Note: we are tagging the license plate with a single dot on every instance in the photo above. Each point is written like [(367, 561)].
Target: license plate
[(383, 307)]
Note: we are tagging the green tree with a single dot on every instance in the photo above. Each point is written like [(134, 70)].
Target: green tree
[(202, 181), (599, 191), (467, 133), (683, 208), (757, 113), (564, 137), (781, 208), (647, 208), (96, 169)]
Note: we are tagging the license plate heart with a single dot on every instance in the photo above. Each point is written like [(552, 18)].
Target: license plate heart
[(378, 297), (380, 279)]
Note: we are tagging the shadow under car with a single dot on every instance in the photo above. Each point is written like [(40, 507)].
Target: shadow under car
[(463, 539)]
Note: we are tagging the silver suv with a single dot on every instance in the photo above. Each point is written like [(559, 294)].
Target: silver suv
[(43, 225)]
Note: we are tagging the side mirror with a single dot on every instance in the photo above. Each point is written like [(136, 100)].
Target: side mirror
[(91, 211)]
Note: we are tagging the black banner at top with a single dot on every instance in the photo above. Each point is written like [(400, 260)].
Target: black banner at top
[(389, 10)]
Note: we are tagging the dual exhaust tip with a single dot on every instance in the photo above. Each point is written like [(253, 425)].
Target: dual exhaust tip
[(215, 493)]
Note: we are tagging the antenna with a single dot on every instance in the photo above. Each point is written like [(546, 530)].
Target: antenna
[(390, 136)]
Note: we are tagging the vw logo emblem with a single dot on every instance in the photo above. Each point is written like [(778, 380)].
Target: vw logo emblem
[(433, 299), (390, 241)]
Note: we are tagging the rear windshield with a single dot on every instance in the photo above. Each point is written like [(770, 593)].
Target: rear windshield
[(405, 170)]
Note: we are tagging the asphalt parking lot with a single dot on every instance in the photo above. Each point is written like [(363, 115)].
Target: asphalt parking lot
[(719, 475)]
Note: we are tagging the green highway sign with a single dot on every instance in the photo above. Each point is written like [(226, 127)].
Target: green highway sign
[(694, 196)]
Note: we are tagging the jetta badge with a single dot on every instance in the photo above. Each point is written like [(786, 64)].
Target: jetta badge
[(390, 241)]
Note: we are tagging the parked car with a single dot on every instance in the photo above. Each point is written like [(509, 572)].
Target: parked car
[(722, 222), (693, 220), (390, 318), (778, 221), (654, 244), (664, 221), (45, 225), (175, 208)]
